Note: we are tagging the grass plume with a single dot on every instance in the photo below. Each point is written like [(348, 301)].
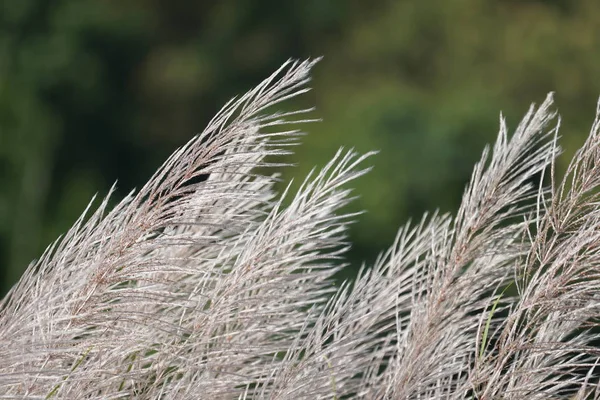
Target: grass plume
[(204, 285)]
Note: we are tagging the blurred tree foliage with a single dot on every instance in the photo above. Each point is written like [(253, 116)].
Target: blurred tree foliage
[(92, 91)]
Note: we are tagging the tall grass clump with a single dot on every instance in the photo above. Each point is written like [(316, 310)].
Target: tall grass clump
[(203, 285)]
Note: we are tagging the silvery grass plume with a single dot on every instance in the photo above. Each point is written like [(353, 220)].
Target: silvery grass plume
[(203, 285)]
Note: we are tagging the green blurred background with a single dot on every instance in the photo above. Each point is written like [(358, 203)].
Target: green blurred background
[(92, 91)]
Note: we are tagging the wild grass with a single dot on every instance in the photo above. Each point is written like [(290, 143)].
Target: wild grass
[(203, 285)]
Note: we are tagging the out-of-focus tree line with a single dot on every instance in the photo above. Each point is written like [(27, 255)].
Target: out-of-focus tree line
[(94, 91)]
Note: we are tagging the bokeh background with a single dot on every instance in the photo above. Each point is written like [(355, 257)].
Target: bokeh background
[(92, 91)]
